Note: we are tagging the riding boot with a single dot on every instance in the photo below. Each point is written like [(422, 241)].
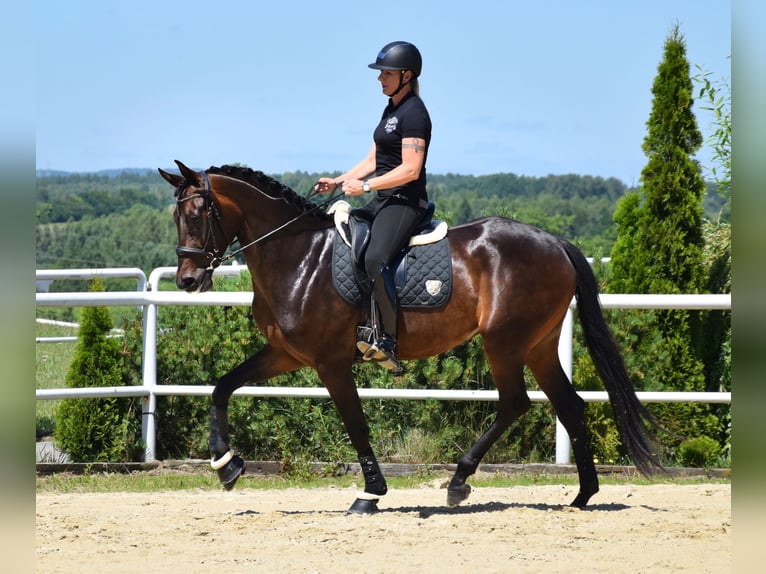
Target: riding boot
[(384, 348)]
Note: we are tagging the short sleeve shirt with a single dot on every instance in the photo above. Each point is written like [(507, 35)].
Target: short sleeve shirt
[(410, 119)]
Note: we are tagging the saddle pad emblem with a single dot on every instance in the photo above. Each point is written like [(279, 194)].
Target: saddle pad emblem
[(433, 287)]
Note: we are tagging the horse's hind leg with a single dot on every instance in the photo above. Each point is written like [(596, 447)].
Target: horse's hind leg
[(570, 408), (513, 402), (268, 362)]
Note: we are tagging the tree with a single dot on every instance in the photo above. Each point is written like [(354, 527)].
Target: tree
[(660, 237), (717, 253), (100, 429), (717, 97)]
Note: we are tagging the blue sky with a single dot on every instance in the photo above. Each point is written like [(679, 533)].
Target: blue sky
[(532, 88)]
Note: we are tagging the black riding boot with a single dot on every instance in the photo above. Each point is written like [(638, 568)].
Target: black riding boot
[(384, 348)]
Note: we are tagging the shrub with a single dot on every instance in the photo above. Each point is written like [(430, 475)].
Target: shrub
[(701, 451), (100, 429)]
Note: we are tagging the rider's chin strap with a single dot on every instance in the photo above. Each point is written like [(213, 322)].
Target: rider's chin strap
[(402, 83)]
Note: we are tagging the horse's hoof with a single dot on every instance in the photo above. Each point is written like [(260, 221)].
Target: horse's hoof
[(229, 474), (457, 494), (582, 498), (364, 506)]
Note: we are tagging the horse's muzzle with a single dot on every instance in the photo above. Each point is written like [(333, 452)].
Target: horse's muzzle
[(193, 279)]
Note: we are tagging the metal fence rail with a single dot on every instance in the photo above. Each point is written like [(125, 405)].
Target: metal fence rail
[(149, 299)]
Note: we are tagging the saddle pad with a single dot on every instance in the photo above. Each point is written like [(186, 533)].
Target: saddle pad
[(423, 276)]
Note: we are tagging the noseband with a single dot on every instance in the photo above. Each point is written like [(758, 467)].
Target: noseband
[(209, 258)]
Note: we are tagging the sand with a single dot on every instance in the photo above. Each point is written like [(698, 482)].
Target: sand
[(626, 528)]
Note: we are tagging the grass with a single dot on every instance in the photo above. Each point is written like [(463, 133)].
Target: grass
[(155, 481), (52, 364)]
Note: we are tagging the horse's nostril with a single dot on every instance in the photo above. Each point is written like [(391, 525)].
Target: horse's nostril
[(187, 282)]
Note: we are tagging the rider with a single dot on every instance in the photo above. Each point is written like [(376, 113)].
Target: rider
[(395, 169)]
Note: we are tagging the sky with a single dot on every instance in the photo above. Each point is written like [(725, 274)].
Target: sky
[(531, 88)]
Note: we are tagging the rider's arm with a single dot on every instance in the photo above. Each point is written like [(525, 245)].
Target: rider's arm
[(360, 171), (413, 155)]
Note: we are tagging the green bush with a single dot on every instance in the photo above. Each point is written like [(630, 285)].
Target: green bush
[(701, 451), (100, 429)]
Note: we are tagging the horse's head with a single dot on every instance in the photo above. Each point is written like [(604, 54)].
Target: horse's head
[(201, 240)]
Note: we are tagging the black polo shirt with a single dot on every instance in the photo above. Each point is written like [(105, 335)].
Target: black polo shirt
[(409, 119)]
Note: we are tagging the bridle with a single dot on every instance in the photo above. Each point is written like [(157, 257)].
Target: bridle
[(209, 255)]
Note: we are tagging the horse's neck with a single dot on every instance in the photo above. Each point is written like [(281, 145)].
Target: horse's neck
[(288, 258)]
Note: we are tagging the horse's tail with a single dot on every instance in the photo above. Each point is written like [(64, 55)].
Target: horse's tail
[(629, 413)]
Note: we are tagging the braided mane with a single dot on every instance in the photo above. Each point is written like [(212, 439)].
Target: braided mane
[(270, 186)]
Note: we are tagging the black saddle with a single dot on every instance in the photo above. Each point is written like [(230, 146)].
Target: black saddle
[(359, 223)]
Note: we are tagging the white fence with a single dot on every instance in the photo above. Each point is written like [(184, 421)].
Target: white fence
[(149, 299)]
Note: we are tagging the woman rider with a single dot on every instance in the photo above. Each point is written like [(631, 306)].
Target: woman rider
[(395, 169)]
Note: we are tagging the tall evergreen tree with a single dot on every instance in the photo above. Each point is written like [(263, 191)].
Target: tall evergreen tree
[(660, 239), (667, 255)]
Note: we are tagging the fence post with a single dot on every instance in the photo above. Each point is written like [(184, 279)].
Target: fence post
[(565, 356), (149, 403)]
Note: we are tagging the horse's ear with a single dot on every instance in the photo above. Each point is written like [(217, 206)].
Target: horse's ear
[(188, 173), (171, 178)]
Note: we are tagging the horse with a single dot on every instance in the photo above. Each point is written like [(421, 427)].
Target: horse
[(512, 284)]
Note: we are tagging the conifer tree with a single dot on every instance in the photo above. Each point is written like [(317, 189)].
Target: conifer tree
[(95, 430), (660, 238)]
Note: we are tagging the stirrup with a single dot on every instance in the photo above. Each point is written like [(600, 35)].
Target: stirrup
[(392, 364), (365, 338), (384, 352)]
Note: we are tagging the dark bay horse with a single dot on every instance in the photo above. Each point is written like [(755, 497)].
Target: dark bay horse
[(512, 284)]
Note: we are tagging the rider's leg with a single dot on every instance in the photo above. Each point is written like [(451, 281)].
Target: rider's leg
[(384, 348), (389, 234)]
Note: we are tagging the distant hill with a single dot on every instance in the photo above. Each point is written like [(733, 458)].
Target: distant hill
[(103, 172)]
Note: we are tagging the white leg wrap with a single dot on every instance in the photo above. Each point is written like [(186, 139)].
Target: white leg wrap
[(367, 496), (221, 462)]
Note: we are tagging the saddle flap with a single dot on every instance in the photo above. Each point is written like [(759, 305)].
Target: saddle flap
[(359, 230)]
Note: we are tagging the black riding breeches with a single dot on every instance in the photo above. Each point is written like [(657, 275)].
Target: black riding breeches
[(390, 232)]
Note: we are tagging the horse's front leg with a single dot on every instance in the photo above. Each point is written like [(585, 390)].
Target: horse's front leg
[(266, 363), (228, 465), (339, 381)]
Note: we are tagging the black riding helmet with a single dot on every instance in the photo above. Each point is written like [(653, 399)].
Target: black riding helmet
[(398, 56)]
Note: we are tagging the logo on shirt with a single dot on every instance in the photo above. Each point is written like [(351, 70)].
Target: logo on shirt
[(391, 124)]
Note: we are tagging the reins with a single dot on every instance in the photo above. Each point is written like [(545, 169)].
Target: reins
[(211, 256)]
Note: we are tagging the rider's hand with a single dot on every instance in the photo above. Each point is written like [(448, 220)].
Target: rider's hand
[(353, 187), (325, 185)]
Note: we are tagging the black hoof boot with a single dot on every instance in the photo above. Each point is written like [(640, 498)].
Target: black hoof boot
[(229, 471), (364, 506), (457, 494)]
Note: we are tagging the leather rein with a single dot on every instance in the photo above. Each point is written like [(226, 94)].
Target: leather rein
[(212, 257)]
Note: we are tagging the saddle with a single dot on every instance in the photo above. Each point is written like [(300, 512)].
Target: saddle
[(421, 273)]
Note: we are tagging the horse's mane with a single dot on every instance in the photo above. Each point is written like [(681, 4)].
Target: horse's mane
[(272, 187)]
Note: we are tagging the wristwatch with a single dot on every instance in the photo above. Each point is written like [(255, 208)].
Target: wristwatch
[(366, 186)]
